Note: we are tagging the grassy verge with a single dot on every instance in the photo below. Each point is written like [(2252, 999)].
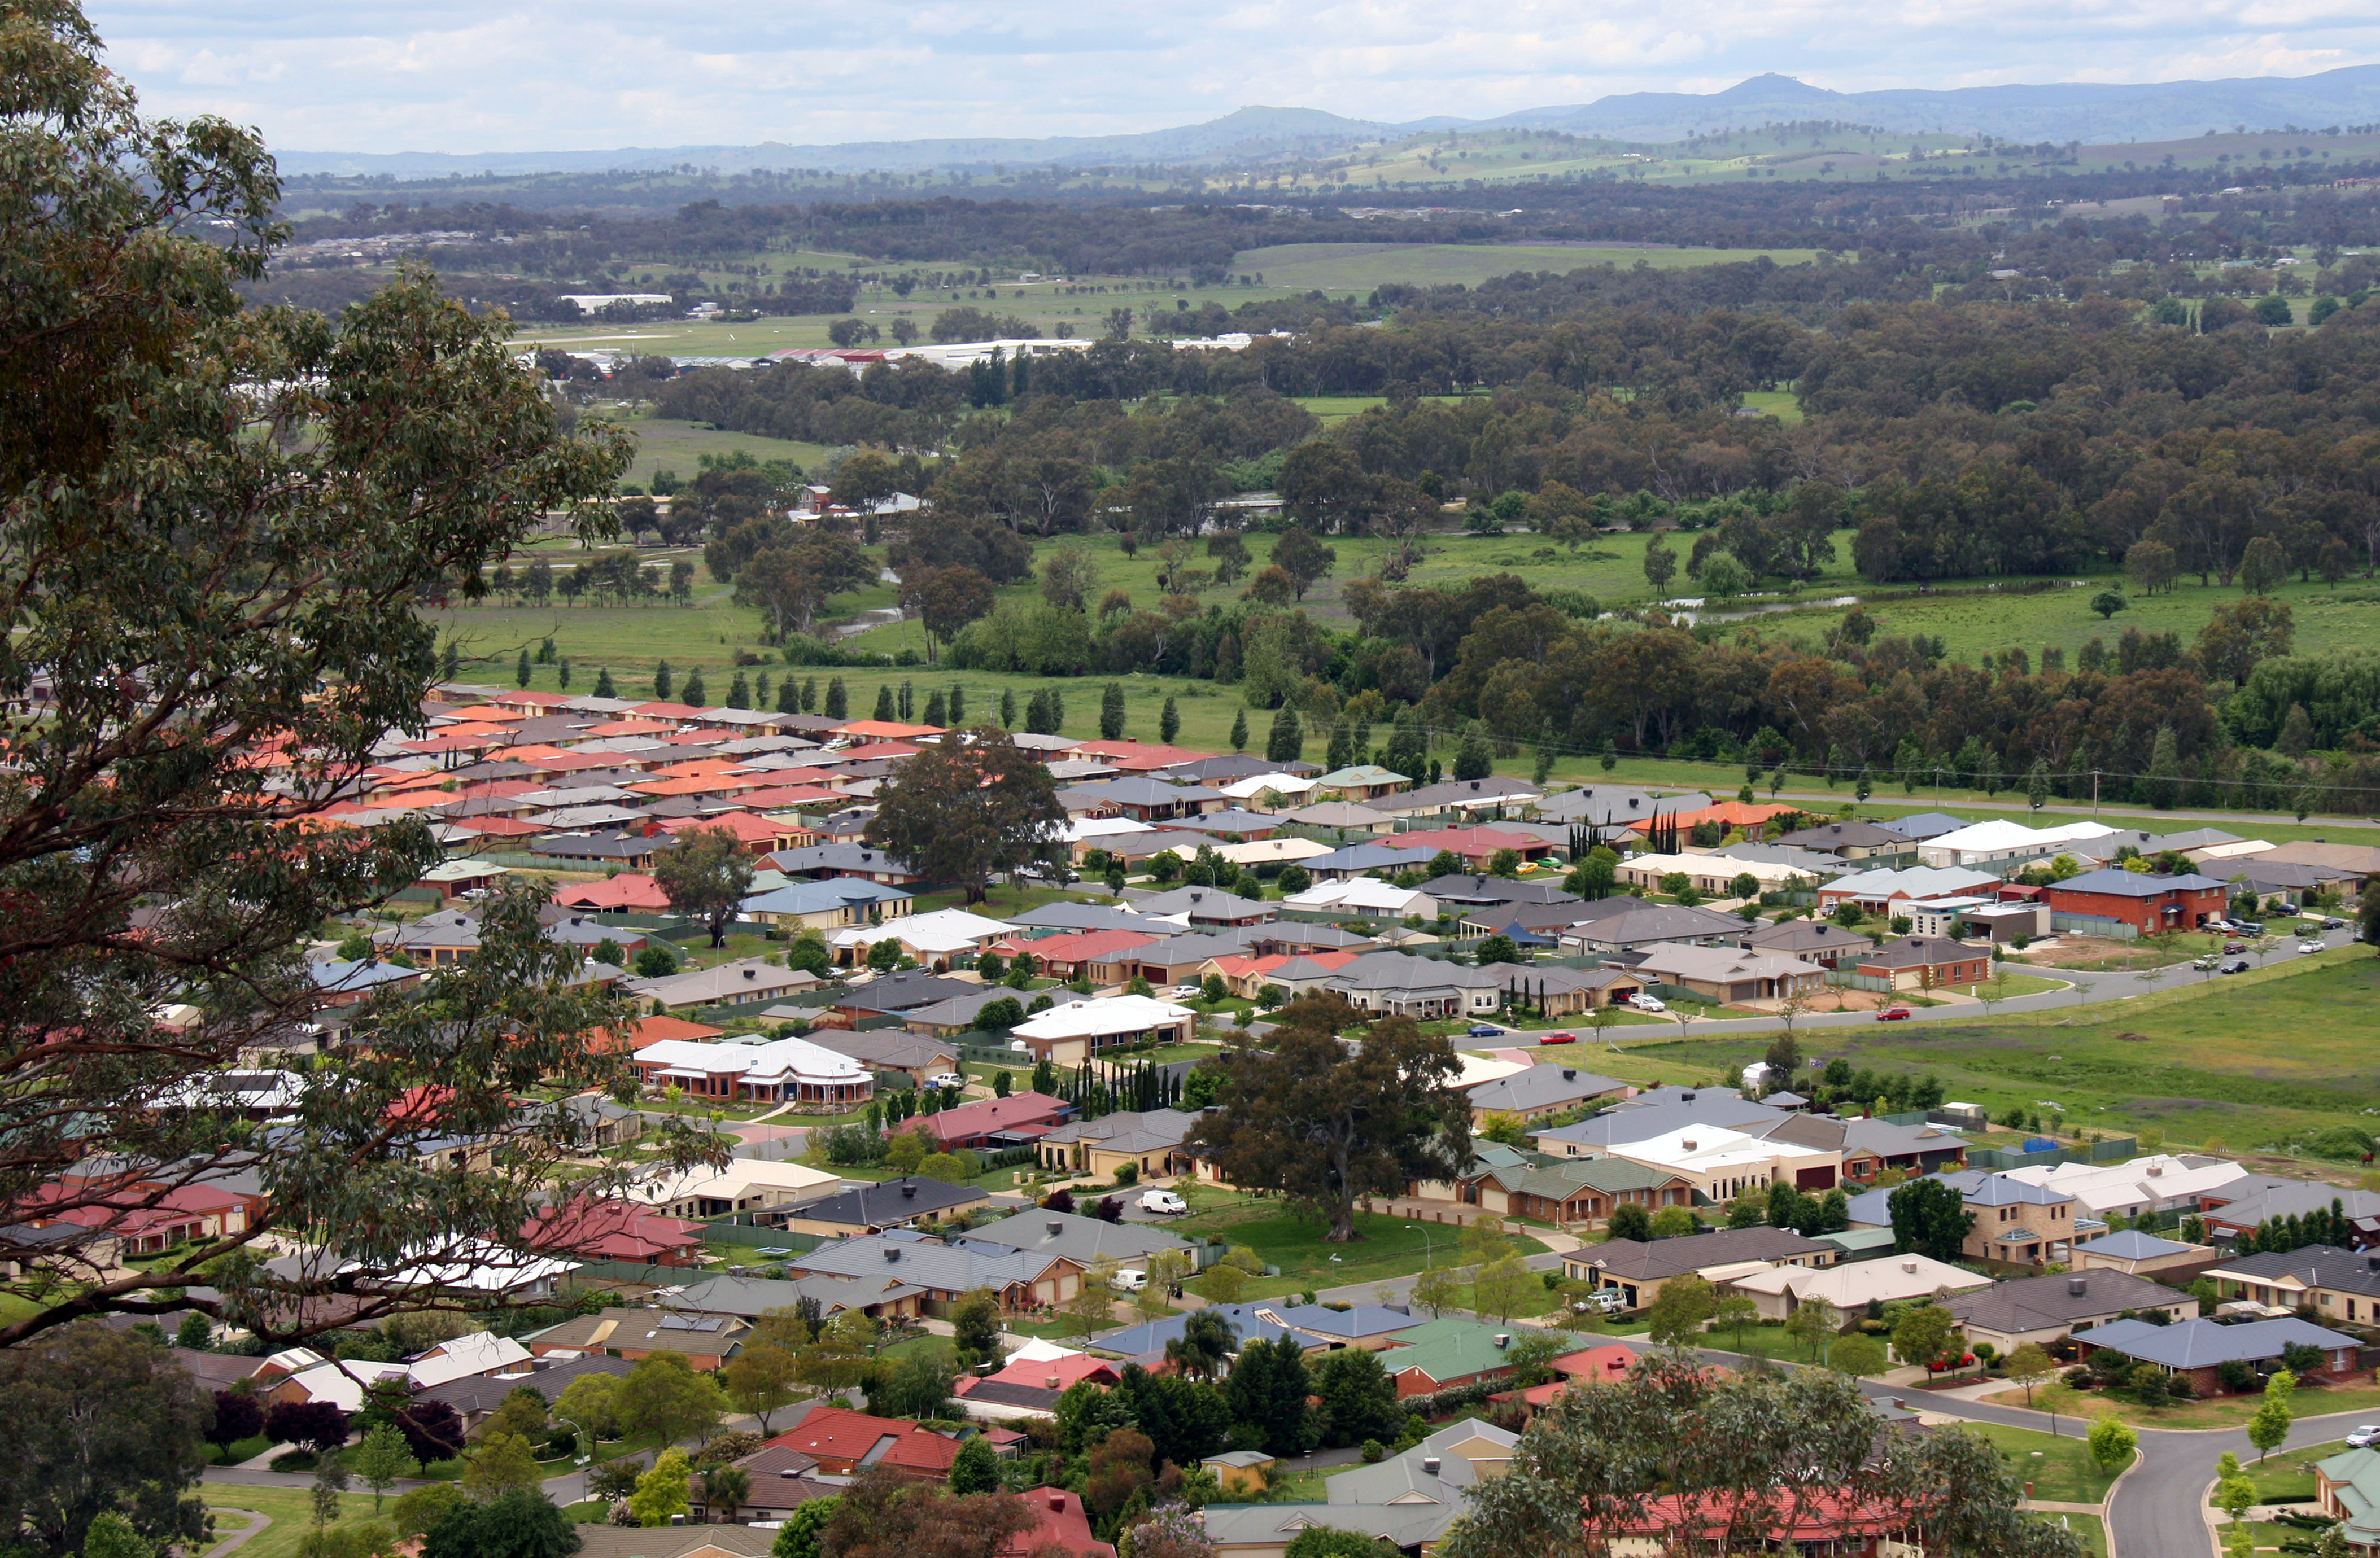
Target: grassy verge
[(2059, 1467), (291, 1511), (2287, 1475), (2225, 1411)]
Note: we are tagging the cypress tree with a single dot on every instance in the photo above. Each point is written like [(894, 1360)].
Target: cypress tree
[(908, 703), (1008, 709), (1475, 759), (1169, 723), (789, 697), (838, 700), (739, 692), (564, 681), (938, 709), (521, 672), (1239, 729), (604, 688), (1342, 751), (1286, 741), (693, 693), (663, 682), (958, 703), (885, 708), (761, 690), (1111, 712)]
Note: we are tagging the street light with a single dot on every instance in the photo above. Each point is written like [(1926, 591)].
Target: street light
[(576, 1431), (1428, 1245)]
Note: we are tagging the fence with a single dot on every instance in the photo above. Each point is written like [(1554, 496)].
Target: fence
[(1997, 1159), (729, 1230), (2094, 925), (1846, 980)]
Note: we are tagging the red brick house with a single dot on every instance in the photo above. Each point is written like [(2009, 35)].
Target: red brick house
[(975, 1124), (1923, 963), (2147, 903), (845, 1443), (600, 1228)]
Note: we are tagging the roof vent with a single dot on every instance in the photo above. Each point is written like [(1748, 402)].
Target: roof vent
[(909, 1190), (1050, 1380), (2078, 1285), (1686, 1097), (751, 973), (1503, 1338), (1429, 1465), (1055, 1226), (1058, 1501), (1688, 1145), (789, 1474), (892, 1253), (1570, 1074)]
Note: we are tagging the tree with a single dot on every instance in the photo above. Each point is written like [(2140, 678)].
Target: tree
[(1685, 1305), (591, 1402), (1323, 1128), (1286, 741), (974, 1324), (960, 811), (1930, 1219), (1661, 565), (2029, 1365), (662, 1490), (2270, 1425), (100, 1420), (1240, 731), (1503, 1285), (726, 1487), (2112, 1445), (1630, 1220), (1204, 1345), (1267, 1391), (706, 874), (1359, 1398), (1438, 1289), (1814, 1324), (798, 1537), (320, 1426), (1092, 1307), (1735, 1313), (1923, 1336), (2263, 566), (1302, 558), (173, 565), (760, 1380), (504, 1462), (522, 1524), (975, 1469), (1111, 712), (2108, 602), (663, 1397), (112, 1536), (1797, 1440), (788, 577), (1857, 1356), (381, 1461), (946, 600), (1169, 722), (419, 1510)]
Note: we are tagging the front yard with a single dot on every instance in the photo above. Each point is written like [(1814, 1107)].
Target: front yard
[(2222, 1411)]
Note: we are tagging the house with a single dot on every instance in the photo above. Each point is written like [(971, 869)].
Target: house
[(1403, 984), (351, 983), (2347, 1489), (1205, 908), (1852, 1285), (1571, 1193), (1477, 846), (844, 1443), (863, 860), (1104, 957), (1356, 860), (885, 994), (1407, 1502), (787, 1070), (1638, 1269), (1561, 991), (1445, 1353), (1851, 840), (830, 904), (459, 878), (1248, 977), (2145, 903), (1627, 925), (1275, 791), (1985, 843), (1144, 800), (1076, 1029), (992, 1122), (1820, 1521), (1876, 892), (1868, 1147), (1722, 1164), (739, 983), (1061, 1525), (869, 1209), (946, 935), (1237, 826), (1145, 1343), (438, 939), (705, 1341), (2361, 863), (750, 1297), (1250, 854), (605, 1228), (1182, 960), (2049, 1309), (2198, 1348), (2158, 1183), (1084, 1240), (912, 1053), (1541, 1089), (947, 1020), (2016, 1224), (2339, 1284), (1468, 797), (1608, 1363), (1607, 807), (1728, 974), (1021, 1279), (1924, 962), (2254, 1199), (1363, 898), (1154, 1140), (740, 1185), (475, 1398), (1239, 1472), (1363, 782), (1654, 1112), (1713, 875), (2134, 1251)]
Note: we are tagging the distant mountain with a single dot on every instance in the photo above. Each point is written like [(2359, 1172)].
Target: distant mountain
[(2089, 112)]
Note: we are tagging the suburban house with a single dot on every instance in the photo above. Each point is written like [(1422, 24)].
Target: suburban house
[(1478, 847), (1561, 991), (706, 1341), (750, 1297), (2049, 1309), (788, 1069), (740, 1185), (1923, 963), (1030, 1386), (830, 904), (1868, 1147), (603, 1228), (2347, 1489), (2016, 1224), (1570, 1193), (1151, 1140), (991, 1122), (1447, 1352), (2252, 1200), (2145, 903), (2159, 1183), (1467, 797), (1406, 1502), (735, 984), (2134, 1251), (1878, 892), (863, 860), (1021, 1279), (1727, 973), (1638, 1269), (1145, 800), (2198, 1348), (1813, 941), (1852, 1285), (1539, 1091), (1365, 898), (1722, 1164), (475, 1397), (1713, 875), (844, 1443), (2339, 1284), (1629, 925), (908, 1054), (1076, 1029), (1403, 985), (1084, 1240), (1206, 908), (1102, 956), (1060, 1525), (871, 1208), (1851, 840)]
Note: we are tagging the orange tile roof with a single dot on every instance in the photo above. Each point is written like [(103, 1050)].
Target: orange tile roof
[(1734, 814), (885, 730), (629, 728), (485, 711), (666, 710), (694, 784), (786, 797)]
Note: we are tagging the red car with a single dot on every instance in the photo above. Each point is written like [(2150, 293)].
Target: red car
[(1558, 1039), (1894, 1014)]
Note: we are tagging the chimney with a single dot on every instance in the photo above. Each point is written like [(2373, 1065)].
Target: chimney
[(1688, 1145), (1570, 1074), (909, 1190), (1429, 1465), (1909, 1266), (751, 973), (1050, 1382), (1057, 1500), (2076, 1287), (1686, 1097)]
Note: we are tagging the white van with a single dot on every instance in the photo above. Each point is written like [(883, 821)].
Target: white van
[(1164, 1202), (1131, 1279)]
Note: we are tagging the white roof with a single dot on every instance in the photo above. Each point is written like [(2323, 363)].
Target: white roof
[(1256, 784), (778, 1060), (1478, 1069), (1916, 881), (737, 1179), (1715, 866), (1851, 1285), (2143, 1181), (1112, 1014), (1258, 851), (2235, 850), (1080, 828), (2001, 834), (478, 1352), (1720, 963), (1036, 1350), (1358, 892), (1703, 1149), (942, 928)]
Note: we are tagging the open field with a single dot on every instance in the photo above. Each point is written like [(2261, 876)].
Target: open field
[(1355, 267), (291, 1510), (1389, 1247), (662, 445), (2236, 1065)]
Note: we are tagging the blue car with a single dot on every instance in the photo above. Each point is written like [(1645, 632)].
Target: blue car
[(1485, 1031)]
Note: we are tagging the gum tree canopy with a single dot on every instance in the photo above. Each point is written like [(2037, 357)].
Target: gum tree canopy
[(216, 526)]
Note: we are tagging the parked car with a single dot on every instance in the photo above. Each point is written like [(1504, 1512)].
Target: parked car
[(1558, 1039), (1611, 1301), (1164, 1202), (2314, 946), (946, 1079), (1895, 1014), (2363, 1436), (1643, 1002), (1131, 1279), (2235, 947), (2333, 925), (2249, 927), (2237, 965), (1484, 1030), (2207, 964)]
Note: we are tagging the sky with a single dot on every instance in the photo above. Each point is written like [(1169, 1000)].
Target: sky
[(531, 75)]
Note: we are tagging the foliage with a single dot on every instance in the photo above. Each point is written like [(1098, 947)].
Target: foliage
[(663, 1490), (975, 1469), (381, 1460), (960, 812), (1930, 1219), (883, 1515), (1685, 1304), (99, 1421), (522, 1524), (760, 1380), (1359, 1399), (504, 1462), (2112, 1445), (1267, 1390), (706, 874), (798, 1537), (662, 1395)]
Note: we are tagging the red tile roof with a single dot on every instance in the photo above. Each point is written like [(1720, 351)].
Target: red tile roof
[(1059, 1520), (986, 1115), (630, 889), (840, 1434)]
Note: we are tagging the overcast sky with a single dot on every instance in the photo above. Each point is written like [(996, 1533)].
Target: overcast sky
[(522, 75)]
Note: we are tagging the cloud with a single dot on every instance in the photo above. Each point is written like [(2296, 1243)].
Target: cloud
[(514, 75)]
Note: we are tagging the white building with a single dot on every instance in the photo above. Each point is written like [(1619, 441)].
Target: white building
[(1851, 1286), (2160, 1182), (945, 933), (1077, 1030), (787, 1069), (1999, 839), (1368, 896), (743, 1185), (1723, 1164)]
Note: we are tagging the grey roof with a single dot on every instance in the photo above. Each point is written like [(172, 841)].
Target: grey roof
[(1404, 970), (894, 1200), (1083, 1239), (1136, 791), (1615, 805), (1650, 922), (752, 1297), (1131, 1131), (1628, 1258), (1222, 769), (1210, 903), (2316, 1265), (824, 897), (1639, 1120), (1921, 952), (2200, 1343), (1230, 941), (1560, 1178), (1357, 859), (1091, 917), (838, 857), (1234, 822), (1542, 1087), (1404, 1525), (1486, 791), (1348, 1324), (1140, 1341), (2115, 882), (484, 1393), (926, 1263), (2040, 1303), (2295, 1198), (890, 1047), (1473, 887), (1801, 936), (904, 991), (1927, 825), (2133, 1245), (365, 973), (1998, 1189), (1832, 836), (1308, 934)]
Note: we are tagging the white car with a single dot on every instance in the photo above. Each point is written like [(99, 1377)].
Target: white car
[(945, 1078), (1163, 1202), (1182, 993), (2311, 946), (1132, 1279), (1643, 1002), (2363, 1436)]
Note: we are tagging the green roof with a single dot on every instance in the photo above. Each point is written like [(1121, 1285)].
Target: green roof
[(2357, 1472), (1446, 1349)]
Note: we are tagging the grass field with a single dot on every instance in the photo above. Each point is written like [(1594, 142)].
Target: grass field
[(2287, 1475), (1388, 1248), (2059, 1467), (2237, 1065), (291, 1511), (664, 444), (2222, 1411), (1358, 267)]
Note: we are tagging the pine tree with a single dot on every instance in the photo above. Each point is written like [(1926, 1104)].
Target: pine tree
[(2164, 782), (1475, 759), (885, 708), (1408, 749), (838, 700), (789, 697), (958, 703), (938, 709), (1341, 754), (761, 690), (1239, 729), (693, 694), (1111, 712), (604, 688), (1008, 709), (521, 672), (663, 683), (739, 692), (1287, 740), (809, 695), (1169, 723), (564, 678)]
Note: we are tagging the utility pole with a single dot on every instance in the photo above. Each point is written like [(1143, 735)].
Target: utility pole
[(2094, 794)]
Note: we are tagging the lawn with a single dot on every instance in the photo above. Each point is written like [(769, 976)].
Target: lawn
[(1387, 1247), (1359, 267), (2222, 1411), (2287, 1475), (2206, 1065), (291, 1511), (2059, 1467), (665, 444)]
